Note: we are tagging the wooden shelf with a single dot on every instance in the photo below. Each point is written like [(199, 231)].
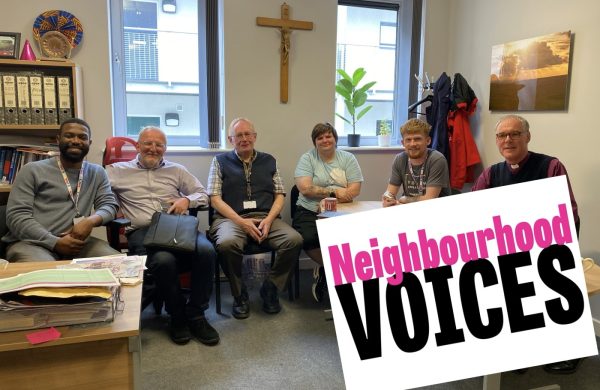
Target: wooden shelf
[(48, 68), (30, 127)]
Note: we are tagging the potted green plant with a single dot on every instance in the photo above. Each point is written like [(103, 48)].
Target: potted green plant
[(384, 134), (355, 96)]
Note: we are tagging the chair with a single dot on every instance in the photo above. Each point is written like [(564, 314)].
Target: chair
[(294, 193), (118, 149), (251, 248)]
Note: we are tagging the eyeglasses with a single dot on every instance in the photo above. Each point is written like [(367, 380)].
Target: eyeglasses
[(512, 135), (242, 136), (149, 144)]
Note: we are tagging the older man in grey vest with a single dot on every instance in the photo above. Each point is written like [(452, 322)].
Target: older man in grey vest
[(247, 194)]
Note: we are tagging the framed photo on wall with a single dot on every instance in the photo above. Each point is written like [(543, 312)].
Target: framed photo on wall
[(531, 74), (9, 44)]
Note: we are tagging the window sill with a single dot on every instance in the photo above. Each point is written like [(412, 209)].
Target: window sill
[(194, 150), (393, 148)]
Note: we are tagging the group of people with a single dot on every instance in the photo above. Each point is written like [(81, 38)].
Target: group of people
[(55, 203)]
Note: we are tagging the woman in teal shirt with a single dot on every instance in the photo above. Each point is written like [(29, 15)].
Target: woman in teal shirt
[(321, 173)]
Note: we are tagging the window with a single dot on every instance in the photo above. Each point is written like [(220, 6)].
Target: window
[(378, 36), (163, 71)]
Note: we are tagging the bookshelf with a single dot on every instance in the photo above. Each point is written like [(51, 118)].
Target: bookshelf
[(15, 132), (44, 68)]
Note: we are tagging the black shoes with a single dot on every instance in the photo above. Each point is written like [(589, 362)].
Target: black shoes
[(204, 332), (565, 367), (241, 308), (319, 286), (270, 296), (179, 332)]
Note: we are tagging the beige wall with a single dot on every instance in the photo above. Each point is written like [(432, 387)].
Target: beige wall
[(469, 29), (458, 36), (91, 55)]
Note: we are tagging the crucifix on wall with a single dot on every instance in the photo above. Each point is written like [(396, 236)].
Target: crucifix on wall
[(285, 26)]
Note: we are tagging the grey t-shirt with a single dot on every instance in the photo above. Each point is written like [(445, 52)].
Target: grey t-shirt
[(416, 178)]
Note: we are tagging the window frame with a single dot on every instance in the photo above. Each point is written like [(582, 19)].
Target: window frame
[(407, 60), (208, 91)]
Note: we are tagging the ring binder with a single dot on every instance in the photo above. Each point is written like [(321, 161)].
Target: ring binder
[(37, 101), (64, 99), (10, 100), (50, 114), (23, 105)]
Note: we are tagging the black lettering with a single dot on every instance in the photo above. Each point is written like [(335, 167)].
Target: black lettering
[(418, 308), (561, 284), (470, 303), (514, 292), (449, 334), (367, 347)]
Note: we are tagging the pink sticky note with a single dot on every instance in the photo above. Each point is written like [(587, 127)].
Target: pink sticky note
[(43, 336)]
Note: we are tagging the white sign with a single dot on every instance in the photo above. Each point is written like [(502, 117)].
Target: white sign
[(457, 287)]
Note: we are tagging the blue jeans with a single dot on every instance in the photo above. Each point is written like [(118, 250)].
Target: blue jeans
[(166, 266)]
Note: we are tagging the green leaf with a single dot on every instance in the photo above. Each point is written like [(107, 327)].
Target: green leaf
[(343, 92), (345, 75), (350, 107), (347, 85), (358, 75), (359, 99), (366, 87), (345, 120), (363, 112)]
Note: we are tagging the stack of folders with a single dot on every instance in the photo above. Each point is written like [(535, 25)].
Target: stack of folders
[(35, 98), (57, 297)]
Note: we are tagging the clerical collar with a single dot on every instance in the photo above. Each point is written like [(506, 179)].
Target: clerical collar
[(515, 167)]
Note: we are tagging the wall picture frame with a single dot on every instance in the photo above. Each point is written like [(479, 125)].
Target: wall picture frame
[(531, 74), (10, 44)]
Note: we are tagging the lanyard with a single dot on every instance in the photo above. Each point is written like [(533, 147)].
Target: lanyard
[(247, 173), (421, 171), (75, 198)]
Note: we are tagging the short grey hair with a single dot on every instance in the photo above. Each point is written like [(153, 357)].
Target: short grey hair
[(238, 120), (150, 128), (519, 118)]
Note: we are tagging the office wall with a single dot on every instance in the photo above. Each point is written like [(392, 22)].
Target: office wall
[(91, 55), (460, 34)]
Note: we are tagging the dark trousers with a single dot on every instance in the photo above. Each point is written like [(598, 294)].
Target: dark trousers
[(166, 266)]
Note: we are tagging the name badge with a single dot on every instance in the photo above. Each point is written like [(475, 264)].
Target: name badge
[(249, 204), (76, 220)]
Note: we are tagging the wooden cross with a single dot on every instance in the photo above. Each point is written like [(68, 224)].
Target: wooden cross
[(285, 26)]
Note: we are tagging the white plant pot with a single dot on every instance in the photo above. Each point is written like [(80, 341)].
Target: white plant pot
[(384, 140)]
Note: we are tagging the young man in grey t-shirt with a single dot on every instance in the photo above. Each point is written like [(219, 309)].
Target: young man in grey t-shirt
[(422, 173)]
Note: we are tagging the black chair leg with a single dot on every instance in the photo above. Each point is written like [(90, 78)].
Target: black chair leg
[(297, 279), (218, 286), (157, 303)]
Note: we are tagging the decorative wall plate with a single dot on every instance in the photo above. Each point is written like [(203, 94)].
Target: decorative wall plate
[(61, 21), (55, 45)]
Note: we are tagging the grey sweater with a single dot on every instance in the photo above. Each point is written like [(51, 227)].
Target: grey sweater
[(39, 207)]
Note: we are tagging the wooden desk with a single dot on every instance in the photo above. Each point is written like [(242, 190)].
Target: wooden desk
[(352, 207), (90, 356), (359, 205)]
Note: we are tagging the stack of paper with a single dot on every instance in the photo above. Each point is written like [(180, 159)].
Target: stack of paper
[(128, 269), (55, 297)]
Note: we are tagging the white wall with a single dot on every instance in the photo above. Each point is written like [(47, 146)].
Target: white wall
[(469, 29), (91, 55), (458, 36)]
